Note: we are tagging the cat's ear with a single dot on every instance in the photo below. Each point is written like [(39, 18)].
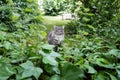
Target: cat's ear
[(63, 27), (55, 27)]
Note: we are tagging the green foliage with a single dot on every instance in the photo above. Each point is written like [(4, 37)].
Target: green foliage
[(67, 72), (55, 7), (71, 27), (52, 7), (93, 58), (30, 70), (21, 33), (25, 56), (6, 70), (18, 14), (98, 17), (49, 56)]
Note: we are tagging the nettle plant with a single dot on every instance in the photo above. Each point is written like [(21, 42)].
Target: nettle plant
[(95, 59), (21, 38)]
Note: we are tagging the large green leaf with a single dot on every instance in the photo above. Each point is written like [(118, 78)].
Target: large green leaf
[(111, 76), (104, 63), (30, 70), (6, 70), (55, 77), (100, 76), (52, 69), (71, 72), (118, 70), (55, 54), (47, 47), (50, 58), (115, 52), (89, 68)]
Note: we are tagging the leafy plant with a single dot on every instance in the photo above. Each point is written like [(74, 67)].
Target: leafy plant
[(19, 23), (97, 17), (30, 70), (24, 54), (56, 7)]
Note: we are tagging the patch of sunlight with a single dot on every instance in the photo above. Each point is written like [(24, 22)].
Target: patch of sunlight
[(50, 21)]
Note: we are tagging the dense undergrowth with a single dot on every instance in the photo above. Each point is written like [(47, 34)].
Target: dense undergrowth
[(88, 52), (21, 35)]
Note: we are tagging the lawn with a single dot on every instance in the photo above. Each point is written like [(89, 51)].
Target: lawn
[(50, 21)]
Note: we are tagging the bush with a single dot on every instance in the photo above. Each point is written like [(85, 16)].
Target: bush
[(98, 16), (52, 7), (18, 14), (21, 34), (96, 56), (71, 28), (56, 7)]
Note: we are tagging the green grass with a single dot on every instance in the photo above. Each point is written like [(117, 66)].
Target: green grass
[(50, 21)]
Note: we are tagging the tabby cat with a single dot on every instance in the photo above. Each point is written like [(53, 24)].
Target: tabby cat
[(56, 37)]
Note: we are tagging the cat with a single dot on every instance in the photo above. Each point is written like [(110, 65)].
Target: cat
[(56, 37)]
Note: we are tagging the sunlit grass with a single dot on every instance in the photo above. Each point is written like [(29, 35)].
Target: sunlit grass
[(50, 21)]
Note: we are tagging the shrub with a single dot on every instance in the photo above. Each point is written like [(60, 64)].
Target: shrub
[(71, 28), (56, 7), (51, 7), (98, 16), (20, 39)]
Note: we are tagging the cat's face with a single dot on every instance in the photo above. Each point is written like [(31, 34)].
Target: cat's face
[(59, 30)]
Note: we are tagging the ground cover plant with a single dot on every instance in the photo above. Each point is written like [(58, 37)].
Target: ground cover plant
[(20, 39), (91, 49), (98, 26)]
